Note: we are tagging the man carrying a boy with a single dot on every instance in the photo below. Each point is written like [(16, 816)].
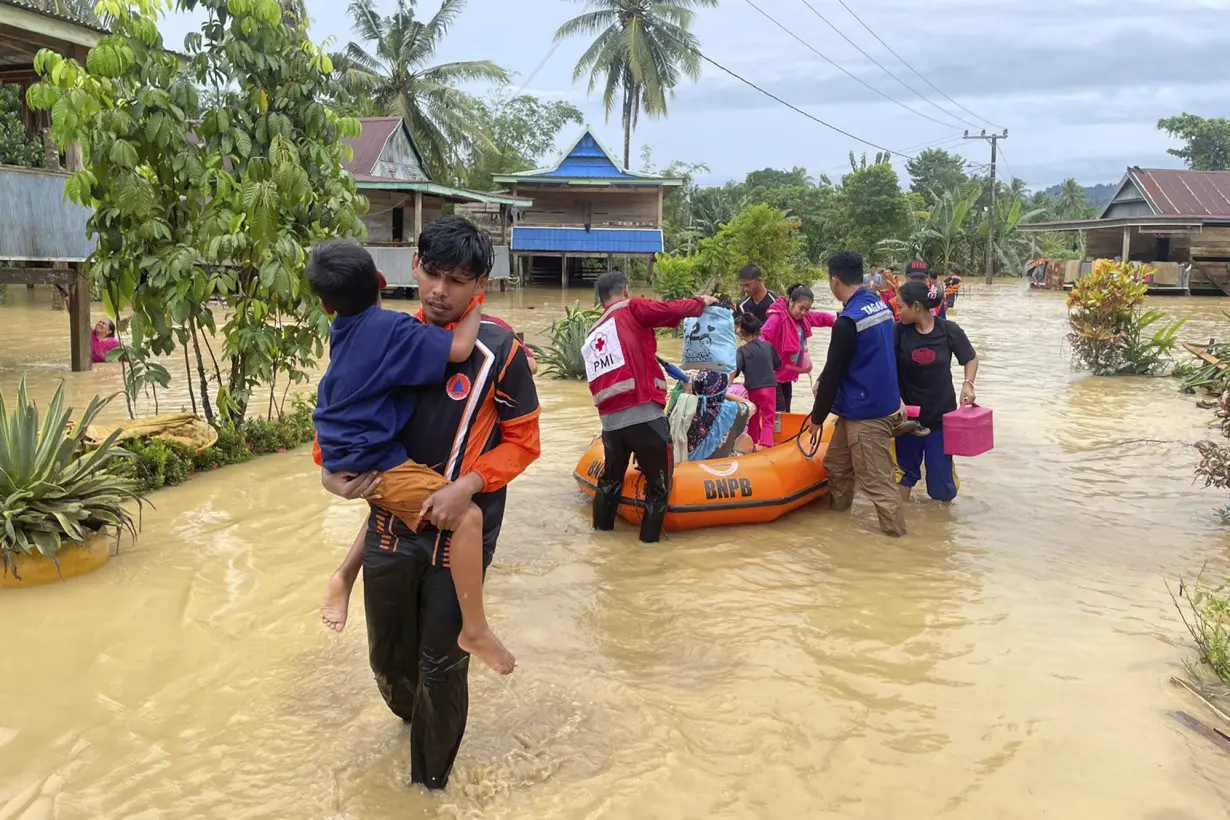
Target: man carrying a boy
[(629, 389), (479, 430), (859, 385)]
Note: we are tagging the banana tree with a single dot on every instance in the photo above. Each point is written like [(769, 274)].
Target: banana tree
[(1011, 248)]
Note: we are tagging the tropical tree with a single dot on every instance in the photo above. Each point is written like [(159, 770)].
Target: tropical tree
[(521, 130), (195, 205), (18, 146), (643, 49), (1206, 141), (391, 68), (934, 171), (1011, 247), (1072, 201)]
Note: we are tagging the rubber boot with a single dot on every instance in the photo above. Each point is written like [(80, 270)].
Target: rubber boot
[(655, 514), (606, 504)]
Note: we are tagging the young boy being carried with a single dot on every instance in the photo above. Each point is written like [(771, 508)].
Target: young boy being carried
[(364, 403)]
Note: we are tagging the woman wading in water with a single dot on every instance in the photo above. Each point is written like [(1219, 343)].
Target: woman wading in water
[(925, 346)]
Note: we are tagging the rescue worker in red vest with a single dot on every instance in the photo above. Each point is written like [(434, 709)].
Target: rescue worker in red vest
[(629, 390)]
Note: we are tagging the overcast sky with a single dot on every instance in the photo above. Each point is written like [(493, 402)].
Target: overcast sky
[(1079, 84)]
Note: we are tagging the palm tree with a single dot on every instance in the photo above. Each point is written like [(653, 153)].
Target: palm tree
[(1073, 202), (643, 49), (396, 77)]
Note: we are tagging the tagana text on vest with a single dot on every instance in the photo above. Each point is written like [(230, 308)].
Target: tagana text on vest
[(612, 355), (869, 389)]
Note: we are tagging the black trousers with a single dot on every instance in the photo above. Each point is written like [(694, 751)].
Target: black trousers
[(650, 442), (785, 392), (413, 622)]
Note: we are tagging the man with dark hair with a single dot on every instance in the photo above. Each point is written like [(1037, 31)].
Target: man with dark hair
[(479, 430), (859, 385), (629, 388), (759, 298)]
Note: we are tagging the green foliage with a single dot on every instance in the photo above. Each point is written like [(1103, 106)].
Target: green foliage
[(935, 171), (52, 489), (157, 463), (674, 276), (1206, 141), (1108, 323), (758, 234), (562, 358), (870, 208), (522, 131), (1205, 611), (197, 201), (1148, 354), (641, 51), (390, 72), (18, 145)]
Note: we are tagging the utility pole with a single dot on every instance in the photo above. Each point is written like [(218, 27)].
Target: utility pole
[(993, 139)]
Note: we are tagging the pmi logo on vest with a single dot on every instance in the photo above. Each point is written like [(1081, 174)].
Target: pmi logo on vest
[(602, 352)]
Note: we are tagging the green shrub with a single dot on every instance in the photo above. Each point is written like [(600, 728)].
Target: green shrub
[(52, 488), (157, 463), (1107, 321), (1205, 611), (674, 276)]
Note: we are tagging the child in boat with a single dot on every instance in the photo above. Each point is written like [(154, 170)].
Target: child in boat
[(363, 404), (758, 362)]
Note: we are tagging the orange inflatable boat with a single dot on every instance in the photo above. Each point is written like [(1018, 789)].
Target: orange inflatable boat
[(751, 489)]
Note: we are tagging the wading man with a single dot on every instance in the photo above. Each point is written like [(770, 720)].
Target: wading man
[(479, 430), (859, 385), (629, 388)]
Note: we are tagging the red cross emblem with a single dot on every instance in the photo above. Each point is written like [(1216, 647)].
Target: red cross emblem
[(600, 343)]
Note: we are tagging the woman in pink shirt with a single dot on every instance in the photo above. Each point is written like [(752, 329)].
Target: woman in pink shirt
[(102, 340), (788, 328)]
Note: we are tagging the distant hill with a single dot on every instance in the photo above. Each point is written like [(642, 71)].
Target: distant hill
[(1096, 195)]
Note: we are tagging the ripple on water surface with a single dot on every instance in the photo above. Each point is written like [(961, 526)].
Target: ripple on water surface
[(1008, 659)]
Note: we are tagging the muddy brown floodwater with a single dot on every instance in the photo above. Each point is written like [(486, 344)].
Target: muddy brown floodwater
[(1009, 659)]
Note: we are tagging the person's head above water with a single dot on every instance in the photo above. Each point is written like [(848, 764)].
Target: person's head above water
[(611, 287), (915, 301), (748, 325), (451, 265), (800, 300), (344, 276), (845, 274), (751, 279), (918, 269), (104, 328)]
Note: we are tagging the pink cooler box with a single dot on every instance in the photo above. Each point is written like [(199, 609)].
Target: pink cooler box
[(969, 431)]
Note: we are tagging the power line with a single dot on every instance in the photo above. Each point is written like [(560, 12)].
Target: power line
[(778, 99), (882, 67), (912, 68), (849, 74), (941, 143), (550, 53)]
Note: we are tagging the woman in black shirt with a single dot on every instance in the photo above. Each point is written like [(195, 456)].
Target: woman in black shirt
[(925, 346)]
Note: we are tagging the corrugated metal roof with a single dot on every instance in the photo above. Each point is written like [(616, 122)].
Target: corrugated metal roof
[(1185, 193), (32, 8), (377, 131), (579, 240)]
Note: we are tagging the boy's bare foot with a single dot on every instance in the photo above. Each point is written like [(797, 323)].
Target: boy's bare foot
[(483, 644), (336, 605)]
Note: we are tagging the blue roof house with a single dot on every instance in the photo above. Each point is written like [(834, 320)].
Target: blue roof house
[(586, 206)]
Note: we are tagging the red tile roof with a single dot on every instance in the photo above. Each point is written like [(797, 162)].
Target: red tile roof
[(367, 148), (1185, 193)]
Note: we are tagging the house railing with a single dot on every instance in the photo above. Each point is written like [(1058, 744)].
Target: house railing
[(37, 224), (396, 261)]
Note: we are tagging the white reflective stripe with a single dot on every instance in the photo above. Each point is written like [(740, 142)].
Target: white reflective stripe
[(659, 383), (607, 313), (874, 319), (614, 390)]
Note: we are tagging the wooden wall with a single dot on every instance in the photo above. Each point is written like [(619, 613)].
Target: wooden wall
[(379, 217), (626, 208)]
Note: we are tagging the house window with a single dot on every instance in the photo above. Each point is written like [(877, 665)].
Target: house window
[(399, 224)]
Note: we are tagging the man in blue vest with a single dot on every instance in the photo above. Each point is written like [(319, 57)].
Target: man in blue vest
[(859, 386)]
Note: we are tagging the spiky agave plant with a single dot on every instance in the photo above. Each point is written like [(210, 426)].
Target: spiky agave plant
[(52, 487)]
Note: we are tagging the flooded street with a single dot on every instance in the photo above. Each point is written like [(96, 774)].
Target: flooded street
[(1010, 658)]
